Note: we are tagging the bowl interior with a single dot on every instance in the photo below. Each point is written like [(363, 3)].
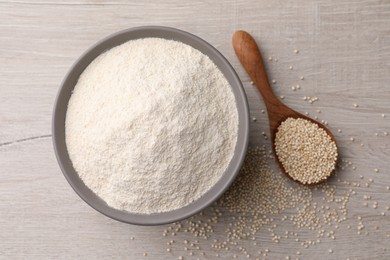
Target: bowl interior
[(59, 114)]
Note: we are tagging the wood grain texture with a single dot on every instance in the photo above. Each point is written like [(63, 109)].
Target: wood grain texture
[(344, 54)]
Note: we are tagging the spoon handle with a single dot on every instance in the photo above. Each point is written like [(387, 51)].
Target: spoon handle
[(249, 55)]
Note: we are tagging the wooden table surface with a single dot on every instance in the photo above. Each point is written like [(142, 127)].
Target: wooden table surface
[(344, 56)]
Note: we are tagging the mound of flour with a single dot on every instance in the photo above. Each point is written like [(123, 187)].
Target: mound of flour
[(151, 125)]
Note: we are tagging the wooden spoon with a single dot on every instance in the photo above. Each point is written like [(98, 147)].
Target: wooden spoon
[(249, 55)]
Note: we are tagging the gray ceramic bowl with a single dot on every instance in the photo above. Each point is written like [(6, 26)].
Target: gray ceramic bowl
[(59, 113)]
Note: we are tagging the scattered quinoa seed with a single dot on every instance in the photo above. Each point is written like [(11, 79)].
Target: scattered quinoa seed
[(257, 202)]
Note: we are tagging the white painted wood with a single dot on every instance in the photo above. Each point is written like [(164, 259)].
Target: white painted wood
[(344, 54)]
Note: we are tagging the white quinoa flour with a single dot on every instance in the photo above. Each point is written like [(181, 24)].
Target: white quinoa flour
[(151, 125)]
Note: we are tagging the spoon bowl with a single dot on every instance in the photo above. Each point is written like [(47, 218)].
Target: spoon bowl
[(249, 55)]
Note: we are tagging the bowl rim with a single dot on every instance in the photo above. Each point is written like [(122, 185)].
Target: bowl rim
[(58, 128)]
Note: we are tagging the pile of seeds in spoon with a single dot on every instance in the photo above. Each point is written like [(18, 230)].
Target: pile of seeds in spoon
[(306, 151)]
